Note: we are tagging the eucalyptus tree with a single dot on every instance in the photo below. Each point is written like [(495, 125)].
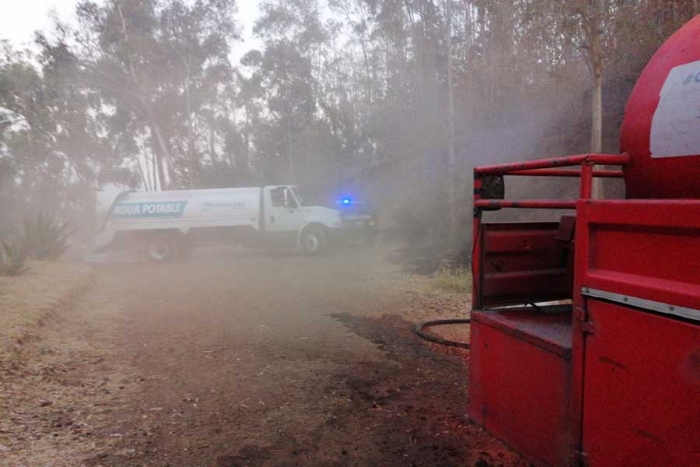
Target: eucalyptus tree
[(161, 67), (52, 137)]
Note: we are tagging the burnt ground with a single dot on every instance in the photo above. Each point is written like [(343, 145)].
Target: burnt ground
[(239, 359)]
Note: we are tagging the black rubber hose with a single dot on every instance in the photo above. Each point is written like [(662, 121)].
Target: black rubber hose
[(418, 328), (418, 331)]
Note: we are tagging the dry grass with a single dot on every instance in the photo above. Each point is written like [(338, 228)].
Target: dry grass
[(454, 279), (27, 301), (59, 406), (417, 298)]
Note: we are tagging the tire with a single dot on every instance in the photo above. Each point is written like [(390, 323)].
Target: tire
[(313, 241), (160, 248)]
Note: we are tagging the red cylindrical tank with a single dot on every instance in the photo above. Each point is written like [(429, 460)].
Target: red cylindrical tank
[(661, 128)]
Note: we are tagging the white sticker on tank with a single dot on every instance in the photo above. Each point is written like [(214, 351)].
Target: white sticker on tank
[(675, 128)]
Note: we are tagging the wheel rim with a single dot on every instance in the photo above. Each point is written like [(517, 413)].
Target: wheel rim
[(158, 250), (312, 243)]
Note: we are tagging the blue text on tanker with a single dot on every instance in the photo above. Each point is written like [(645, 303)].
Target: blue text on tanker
[(161, 209)]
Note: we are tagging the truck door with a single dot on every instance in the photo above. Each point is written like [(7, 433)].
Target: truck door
[(283, 214)]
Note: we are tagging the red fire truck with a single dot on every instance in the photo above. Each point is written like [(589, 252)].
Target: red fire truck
[(609, 376)]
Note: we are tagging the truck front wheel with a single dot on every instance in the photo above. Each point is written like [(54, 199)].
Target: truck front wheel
[(160, 248), (313, 240)]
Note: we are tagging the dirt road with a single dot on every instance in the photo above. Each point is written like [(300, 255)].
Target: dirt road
[(251, 359)]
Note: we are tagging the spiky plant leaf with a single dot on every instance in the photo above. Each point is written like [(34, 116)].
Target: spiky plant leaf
[(44, 238)]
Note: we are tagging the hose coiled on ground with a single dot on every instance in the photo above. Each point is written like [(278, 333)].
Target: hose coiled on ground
[(418, 330)]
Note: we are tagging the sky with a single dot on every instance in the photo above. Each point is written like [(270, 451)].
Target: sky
[(20, 18)]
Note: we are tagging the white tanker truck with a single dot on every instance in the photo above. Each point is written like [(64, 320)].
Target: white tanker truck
[(167, 225)]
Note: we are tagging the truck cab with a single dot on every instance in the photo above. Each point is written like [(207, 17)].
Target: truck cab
[(286, 219)]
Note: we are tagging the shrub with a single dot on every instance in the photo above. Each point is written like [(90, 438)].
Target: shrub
[(44, 238), (13, 259)]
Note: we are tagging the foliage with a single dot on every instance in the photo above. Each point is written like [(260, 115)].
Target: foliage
[(13, 259), (163, 67), (337, 93), (44, 238)]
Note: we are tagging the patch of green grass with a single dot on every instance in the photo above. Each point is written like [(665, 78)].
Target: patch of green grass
[(454, 279)]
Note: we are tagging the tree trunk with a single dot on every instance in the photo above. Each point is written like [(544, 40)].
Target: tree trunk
[(597, 112), (245, 160), (452, 192), (596, 61), (212, 151), (145, 174), (154, 172), (162, 155), (290, 156), (190, 136)]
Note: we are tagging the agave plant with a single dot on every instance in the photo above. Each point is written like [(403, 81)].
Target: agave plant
[(44, 238), (13, 259)]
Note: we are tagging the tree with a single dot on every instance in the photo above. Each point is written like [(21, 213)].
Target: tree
[(162, 67), (52, 139), (398, 98)]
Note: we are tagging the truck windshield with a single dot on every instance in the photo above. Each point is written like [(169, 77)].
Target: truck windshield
[(302, 197)]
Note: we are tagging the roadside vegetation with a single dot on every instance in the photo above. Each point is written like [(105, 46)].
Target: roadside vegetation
[(454, 279), (28, 301), (13, 259), (43, 239), (394, 101)]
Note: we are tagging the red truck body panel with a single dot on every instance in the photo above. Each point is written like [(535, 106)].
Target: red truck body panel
[(612, 379), (519, 372)]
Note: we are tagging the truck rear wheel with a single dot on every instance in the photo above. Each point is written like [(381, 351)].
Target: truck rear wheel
[(160, 248), (313, 240)]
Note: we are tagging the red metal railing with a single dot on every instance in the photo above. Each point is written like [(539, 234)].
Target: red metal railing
[(524, 204), (549, 168), (538, 168), (567, 173), (569, 161)]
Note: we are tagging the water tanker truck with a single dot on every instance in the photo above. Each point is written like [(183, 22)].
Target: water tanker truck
[(609, 376), (167, 225)]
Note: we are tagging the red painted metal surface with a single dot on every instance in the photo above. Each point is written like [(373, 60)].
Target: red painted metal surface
[(544, 167), (586, 180), (635, 393), (622, 385), (567, 173), (525, 262), (525, 204), (641, 389), (569, 161), (644, 248), (524, 404), (667, 177)]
